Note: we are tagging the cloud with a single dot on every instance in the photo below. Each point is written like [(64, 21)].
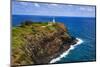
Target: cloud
[(82, 8), (54, 4), (70, 5), (36, 4), (24, 3), (90, 9)]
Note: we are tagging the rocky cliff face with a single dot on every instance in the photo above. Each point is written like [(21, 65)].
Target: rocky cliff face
[(39, 43)]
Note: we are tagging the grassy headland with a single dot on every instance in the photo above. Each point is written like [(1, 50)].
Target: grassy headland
[(39, 42)]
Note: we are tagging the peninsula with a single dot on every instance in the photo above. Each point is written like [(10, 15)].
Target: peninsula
[(39, 42)]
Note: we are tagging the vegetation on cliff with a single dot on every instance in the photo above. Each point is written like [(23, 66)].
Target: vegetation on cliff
[(39, 42)]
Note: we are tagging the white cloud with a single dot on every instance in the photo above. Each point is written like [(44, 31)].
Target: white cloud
[(70, 5), (86, 9), (82, 8), (36, 4), (23, 3), (90, 9), (54, 4)]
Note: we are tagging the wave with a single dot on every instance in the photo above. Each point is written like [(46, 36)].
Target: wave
[(64, 54)]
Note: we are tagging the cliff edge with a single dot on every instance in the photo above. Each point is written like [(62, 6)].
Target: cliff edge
[(39, 43)]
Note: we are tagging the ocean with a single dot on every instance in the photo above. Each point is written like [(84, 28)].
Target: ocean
[(83, 28)]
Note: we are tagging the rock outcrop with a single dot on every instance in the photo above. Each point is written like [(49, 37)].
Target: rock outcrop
[(39, 43)]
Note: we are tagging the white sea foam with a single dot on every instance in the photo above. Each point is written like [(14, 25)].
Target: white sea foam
[(67, 52)]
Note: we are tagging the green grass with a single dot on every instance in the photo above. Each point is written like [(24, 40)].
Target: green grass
[(18, 32), (31, 29)]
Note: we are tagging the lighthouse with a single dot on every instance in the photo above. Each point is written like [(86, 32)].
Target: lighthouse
[(53, 20)]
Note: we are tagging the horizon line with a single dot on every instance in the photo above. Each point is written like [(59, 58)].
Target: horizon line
[(55, 16)]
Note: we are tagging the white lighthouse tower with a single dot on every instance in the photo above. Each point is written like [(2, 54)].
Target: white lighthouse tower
[(53, 20)]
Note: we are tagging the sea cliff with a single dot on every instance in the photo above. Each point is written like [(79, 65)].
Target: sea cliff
[(39, 42)]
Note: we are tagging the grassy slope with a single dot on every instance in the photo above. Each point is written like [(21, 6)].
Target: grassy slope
[(18, 39)]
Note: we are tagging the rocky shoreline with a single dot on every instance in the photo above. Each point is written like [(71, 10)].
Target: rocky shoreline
[(39, 43)]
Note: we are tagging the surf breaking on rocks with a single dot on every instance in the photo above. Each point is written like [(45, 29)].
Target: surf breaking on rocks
[(64, 54)]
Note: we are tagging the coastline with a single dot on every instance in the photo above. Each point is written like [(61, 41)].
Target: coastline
[(64, 54), (39, 43)]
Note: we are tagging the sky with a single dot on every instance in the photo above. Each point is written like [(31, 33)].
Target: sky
[(47, 9)]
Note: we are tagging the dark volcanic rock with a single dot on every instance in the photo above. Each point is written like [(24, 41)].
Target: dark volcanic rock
[(39, 43)]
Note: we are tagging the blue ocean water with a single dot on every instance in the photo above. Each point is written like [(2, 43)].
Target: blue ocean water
[(80, 27)]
